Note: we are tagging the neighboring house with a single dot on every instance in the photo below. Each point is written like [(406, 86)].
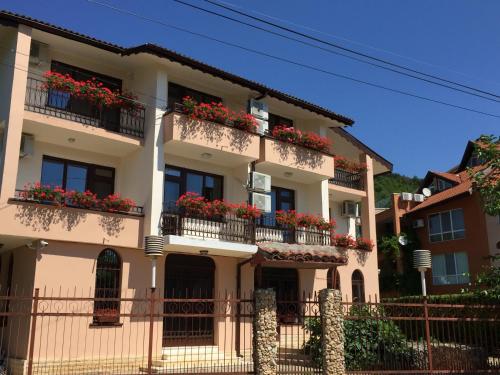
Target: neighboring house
[(450, 223), (155, 153)]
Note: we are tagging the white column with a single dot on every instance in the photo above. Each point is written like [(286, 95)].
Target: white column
[(12, 112)]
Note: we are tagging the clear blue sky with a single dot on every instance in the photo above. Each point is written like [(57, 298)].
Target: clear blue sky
[(456, 39)]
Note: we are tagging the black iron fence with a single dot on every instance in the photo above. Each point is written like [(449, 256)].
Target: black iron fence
[(63, 105), (232, 228), (348, 179)]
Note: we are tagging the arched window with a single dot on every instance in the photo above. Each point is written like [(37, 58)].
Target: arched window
[(107, 286), (332, 283), (358, 286)]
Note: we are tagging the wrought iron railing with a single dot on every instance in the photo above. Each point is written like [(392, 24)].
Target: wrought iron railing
[(26, 196), (63, 105), (235, 229), (348, 179)]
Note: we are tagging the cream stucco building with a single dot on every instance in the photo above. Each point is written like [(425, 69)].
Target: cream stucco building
[(155, 155)]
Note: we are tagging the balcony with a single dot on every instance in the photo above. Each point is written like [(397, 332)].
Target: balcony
[(306, 165), (348, 179), (231, 228), (209, 141), (65, 106), (26, 218)]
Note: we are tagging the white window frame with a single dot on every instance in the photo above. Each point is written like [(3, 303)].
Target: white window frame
[(441, 233), (455, 279)]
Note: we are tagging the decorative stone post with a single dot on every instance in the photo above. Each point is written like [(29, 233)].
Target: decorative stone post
[(265, 347), (332, 325)]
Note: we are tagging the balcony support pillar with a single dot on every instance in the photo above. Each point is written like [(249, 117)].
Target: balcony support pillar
[(15, 73)]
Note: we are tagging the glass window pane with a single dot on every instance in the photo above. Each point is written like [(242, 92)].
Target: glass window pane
[(104, 172), (52, 173), (172, 193), (450, 264), (458, 219), (462, 263), (76, 177), (173, 172), (458, 234), (194, 183), (434, 224), (102, 188), (436, 237), (438, 265), (446, 222)]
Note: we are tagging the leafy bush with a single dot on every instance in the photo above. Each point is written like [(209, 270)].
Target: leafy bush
[(369, 341)]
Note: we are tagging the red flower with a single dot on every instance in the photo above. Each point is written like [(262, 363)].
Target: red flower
[(349, 166), (305, 139), (344, 240)]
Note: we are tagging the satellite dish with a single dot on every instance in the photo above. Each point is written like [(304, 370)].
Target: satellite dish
[(403, 240), (426, 192)]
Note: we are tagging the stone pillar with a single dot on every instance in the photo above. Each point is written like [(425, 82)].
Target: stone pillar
[(265, 347), (332, 326)]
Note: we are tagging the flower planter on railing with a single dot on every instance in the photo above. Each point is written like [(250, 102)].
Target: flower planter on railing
[(305, 139)]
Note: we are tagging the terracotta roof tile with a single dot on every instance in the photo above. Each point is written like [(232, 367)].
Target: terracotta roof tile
[(301, 253), (454, 191)]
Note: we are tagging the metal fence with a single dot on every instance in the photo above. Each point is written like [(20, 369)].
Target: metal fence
[(63, 105), (348, 179), (421, 338)]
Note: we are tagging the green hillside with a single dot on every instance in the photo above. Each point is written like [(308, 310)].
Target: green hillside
[(385, 185)]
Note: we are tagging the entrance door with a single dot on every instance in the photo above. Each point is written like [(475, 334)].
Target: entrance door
[(188, 277), (285, 282)]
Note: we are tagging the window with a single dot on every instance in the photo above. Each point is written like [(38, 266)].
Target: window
[(73, 175), (177, 92), (107, 286), (448, 225), (439, 184), (178, 181), (450, 269), (358, 286), (333, 283), (63, 100), (275, 120)]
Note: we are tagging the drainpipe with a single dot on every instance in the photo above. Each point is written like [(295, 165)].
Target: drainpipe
[(238, 305)]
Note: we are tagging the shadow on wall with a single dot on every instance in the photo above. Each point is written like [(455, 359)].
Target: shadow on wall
[(303, 157), (239, 140), (361, 255), (41, 218)]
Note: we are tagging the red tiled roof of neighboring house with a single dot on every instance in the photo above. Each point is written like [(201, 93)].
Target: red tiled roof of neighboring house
[(9, 18), (464, 186)]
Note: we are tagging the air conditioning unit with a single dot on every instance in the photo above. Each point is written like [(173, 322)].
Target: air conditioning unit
[(419, 223), (262, 201), (262, 126), (350, 209), (259, 109), (261, 182), (407, 196), (27, 145), (39, 53), (418, 197)]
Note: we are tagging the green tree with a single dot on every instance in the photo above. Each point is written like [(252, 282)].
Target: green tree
[(487, 180), (387, 184)]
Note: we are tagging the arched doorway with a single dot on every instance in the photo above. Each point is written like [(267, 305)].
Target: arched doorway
[(331, 281), (189, 277)]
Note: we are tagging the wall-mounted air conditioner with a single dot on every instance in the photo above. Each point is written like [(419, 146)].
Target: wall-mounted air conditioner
[(261, 182), (39, 53), (27, 145), (262, 126), (259, 109), (419, 223), (407, 196), (262, 201), (350, 209), (418, 197)]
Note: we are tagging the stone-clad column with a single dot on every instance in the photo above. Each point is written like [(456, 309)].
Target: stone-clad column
[(265, 347), (332, 325)]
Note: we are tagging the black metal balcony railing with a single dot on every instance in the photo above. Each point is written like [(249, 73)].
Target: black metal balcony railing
[(348, 179), (234, 229), (26, 196), (63, 105)]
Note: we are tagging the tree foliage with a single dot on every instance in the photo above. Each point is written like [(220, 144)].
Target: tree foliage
[(385, 185), (487, 180)]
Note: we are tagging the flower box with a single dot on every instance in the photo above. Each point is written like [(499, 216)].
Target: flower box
[(348, 165), (309, 140)]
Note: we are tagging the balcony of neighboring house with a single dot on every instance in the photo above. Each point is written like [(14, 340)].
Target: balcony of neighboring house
[(215, 136), (86, 107), (305, 158)]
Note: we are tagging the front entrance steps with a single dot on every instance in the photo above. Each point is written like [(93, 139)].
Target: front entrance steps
[(200, 359)]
